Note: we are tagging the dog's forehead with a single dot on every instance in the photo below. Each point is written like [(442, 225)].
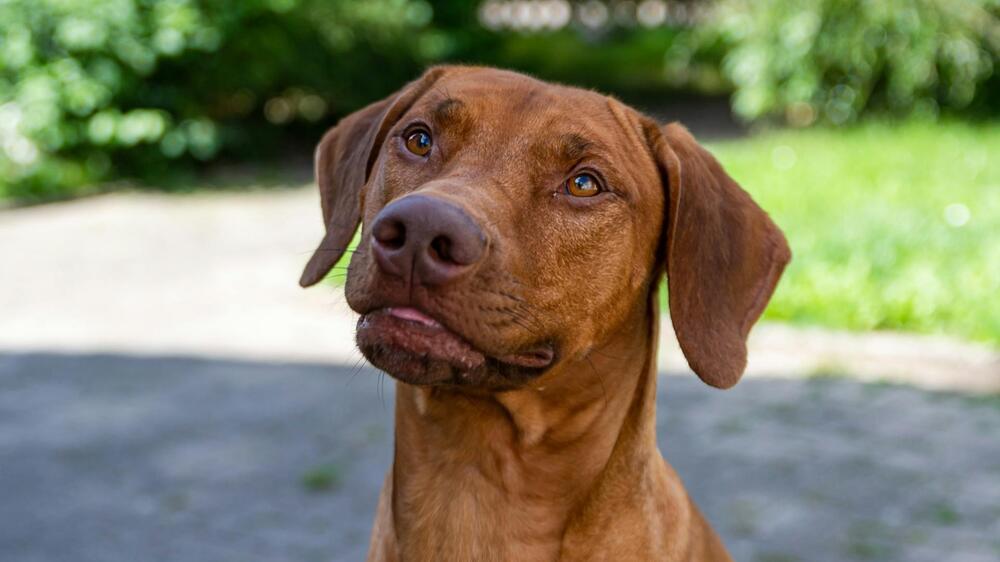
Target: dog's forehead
[(510, 86), (508, 120), (504, 99)]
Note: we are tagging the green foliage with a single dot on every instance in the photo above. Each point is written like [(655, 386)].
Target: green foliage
[(94, 89), (833, 60), (639, 62), (97, 90), (891, 227)]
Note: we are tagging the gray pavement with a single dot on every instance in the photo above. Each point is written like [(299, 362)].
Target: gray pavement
[(109, 458), (167, 392)]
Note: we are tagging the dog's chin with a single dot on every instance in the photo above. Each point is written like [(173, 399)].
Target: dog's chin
[(415, 349)]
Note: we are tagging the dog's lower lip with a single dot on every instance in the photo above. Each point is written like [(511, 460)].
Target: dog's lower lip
[(539, 357), (411, 346)]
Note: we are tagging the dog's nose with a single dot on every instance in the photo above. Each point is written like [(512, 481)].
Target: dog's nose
[(426, 240)]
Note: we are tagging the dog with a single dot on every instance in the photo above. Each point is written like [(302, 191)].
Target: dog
[(513, 236)]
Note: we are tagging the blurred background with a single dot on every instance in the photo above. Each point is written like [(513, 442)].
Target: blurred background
[(167, 393)]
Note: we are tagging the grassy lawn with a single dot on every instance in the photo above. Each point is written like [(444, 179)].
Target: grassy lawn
[(892, 227)]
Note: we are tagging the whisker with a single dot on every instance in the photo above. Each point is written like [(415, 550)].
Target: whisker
[(381, 396), (358, 366), (521, 323), (600, 379), (340, 250), (603, 354), (511, 297)]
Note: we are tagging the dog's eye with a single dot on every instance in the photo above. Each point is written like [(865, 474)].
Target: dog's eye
[(583, 185), (419, 143)]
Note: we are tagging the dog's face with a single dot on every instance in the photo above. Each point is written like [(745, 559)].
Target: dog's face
[(559, 203), (509, 225)]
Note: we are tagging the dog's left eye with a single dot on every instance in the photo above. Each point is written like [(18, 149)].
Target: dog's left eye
[(419, 143), (583, 185)]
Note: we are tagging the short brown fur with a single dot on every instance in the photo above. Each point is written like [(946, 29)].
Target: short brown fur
[(564, 465)]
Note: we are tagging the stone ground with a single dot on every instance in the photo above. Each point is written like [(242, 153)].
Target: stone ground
[(167, 393)]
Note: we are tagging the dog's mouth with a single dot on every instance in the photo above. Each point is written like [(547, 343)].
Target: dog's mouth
[(415, 348)]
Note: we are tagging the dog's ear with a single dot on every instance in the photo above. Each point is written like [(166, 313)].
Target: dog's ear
[(344, 160), (724, 256)]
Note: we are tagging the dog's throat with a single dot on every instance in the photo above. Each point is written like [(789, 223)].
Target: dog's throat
[(509, 470)]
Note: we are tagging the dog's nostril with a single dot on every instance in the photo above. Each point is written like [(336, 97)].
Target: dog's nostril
[(391, 234), (441, 248)]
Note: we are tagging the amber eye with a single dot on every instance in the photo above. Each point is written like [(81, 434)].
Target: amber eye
[(419, 143), (583, 185)]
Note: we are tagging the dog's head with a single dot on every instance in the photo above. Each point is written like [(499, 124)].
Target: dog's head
[(510, 224)]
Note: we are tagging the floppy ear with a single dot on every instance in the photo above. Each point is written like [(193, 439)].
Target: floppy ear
[(344, 160), (723, 257)]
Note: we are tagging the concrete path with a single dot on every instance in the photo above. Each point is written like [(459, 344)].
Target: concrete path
[(113, 458), (167, 392)]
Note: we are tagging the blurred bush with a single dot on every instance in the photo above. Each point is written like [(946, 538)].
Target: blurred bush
[(833, 60), (97, 89), (94, 90)]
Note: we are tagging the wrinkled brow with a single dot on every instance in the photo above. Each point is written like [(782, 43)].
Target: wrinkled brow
[(574, 147), (449, 110)]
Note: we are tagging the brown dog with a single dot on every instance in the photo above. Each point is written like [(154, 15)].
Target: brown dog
[(514, 234)]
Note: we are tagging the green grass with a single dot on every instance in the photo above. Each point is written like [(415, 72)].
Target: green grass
[(892, 227), (322, 478)]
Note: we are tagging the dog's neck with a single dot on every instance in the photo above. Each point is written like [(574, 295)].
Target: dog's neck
[(479, 477)]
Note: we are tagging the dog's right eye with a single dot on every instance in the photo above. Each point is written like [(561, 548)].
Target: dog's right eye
[(583, 185), (419, 143)]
